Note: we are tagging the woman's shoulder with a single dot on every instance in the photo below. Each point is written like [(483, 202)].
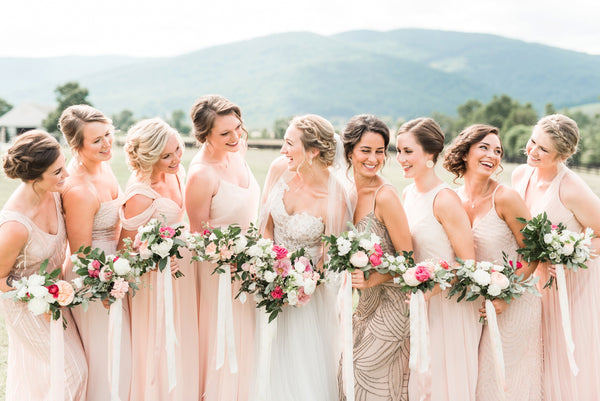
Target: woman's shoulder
[(519, 173)]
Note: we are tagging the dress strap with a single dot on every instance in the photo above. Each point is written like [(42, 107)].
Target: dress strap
[(494, 196), (376, 192)]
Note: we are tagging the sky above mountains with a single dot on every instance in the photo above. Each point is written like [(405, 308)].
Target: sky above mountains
[(41, 28)]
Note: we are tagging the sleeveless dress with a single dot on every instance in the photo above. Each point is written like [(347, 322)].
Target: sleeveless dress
[(149, 378), (558, 382), (520, 324), (381, 330), (93, 323), (231, 204), (454, 327), (305, 351), (28, 370)]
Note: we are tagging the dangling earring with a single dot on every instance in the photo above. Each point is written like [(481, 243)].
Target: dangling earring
[(310, 162), (429, 164)]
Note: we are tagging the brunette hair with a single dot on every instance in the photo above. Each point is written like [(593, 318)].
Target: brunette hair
[(428, 134), (360, 125), (454, 157), (206, 109), (30, 155)]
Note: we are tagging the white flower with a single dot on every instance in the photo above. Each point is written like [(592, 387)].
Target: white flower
[(240, 244), (35, 280), (499, 280), (309, 286), (163, 248), (410, 277), (487, 266), (469, 264), (366, 244), (105, 274), (493, 290), (121, 266), (252, 287), (567, 249), (498, 268), (481, 277), (292, 297), (343, 245), (548, 238), (212, 237), (148, 227), (270, 276), (254, 251), (37, 291), (78, 282), (375, 238), (475, 289), (351, 235), (38, 305), (242, 298), (359, 259)]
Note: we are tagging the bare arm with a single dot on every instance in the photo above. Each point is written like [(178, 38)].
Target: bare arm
[(201, 186), (80, 207), (448, 210), (13, 237)]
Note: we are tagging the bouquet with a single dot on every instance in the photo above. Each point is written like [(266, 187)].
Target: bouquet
[(553, 243), (277, 277), (108, 277), (414, 277), (44, 292), (353, 250), (156, 243)]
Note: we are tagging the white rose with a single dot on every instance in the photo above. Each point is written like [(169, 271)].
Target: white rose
[(366, 244), (567, 249), (163, 248), (37, 291), (343, 245), (145, 253), (252, 287), (487, 266), (481, 277), (499, 280), (309, 286), (469, 264), (498, 268), (78, 282), (292, 297), (254, 251), (212, 237), (375, 238), (410, 278), (38, 305), (35, 280), (121, 266), (240, 244), (351, 235), (359, 259), (493, 290), (270, 276), (548, 238)]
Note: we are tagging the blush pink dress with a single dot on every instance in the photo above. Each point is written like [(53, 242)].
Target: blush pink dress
[(149, 379), (584, 303), (93, 323), (28, 366), (231, 204), (520, 324), (454, 328)]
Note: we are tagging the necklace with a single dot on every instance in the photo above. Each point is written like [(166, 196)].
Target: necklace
[(483, 195)]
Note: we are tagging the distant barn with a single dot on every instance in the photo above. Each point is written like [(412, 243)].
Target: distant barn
[(21, 118)]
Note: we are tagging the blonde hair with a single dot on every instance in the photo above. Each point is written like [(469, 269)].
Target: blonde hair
[(144, 144), (563, 131), (206, 109), (317, 133), (74, 118)]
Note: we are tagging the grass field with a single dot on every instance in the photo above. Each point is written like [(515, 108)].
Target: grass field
[(259, 161)]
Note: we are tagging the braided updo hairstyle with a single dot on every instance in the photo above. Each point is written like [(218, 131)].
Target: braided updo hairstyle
[(31, 155), (563, 131), (144, 144), (317, 133), (206, 109), (428, 134)]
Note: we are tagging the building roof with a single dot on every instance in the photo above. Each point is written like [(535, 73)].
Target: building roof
[(26, 115)]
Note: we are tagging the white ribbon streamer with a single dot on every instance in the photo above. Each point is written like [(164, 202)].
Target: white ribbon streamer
[(267, 333), (115, 324), (171, 339), (348, 341), (57, 359), (419, 334), (225, 322), (496, 339), (563, 301)]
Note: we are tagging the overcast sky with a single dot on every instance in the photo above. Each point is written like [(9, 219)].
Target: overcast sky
[(36, 28)]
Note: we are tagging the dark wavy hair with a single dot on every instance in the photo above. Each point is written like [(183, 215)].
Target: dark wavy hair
[(360, 125)]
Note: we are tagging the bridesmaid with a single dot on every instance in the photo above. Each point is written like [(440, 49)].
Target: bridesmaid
[(440, 229), (547, 185), (493, 210), (155, 190), (380, 322), (91, 202), (221, 190), (32, 229)]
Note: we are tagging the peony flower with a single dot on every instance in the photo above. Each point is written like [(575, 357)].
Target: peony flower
[(422, 273), (280, 252), (309, 286), (121, 266), (120, 288), (66, 293), (343, 245), (167, 232), (282, 267), (292, 297), (499, 280), (481, 277), (38, 305), (277, 293), (105, 274), (53, 290), (375, 259), (302, 264), (162, 249), (493, 290), (567, 249), (303, 297), (410, 277), (359, 259)]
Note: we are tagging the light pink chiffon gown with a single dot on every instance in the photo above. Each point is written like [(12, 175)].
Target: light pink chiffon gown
[(28, 367), (584, 304), (453, 327), (149, 358), (231, 204), (93, 323), (520, 325)]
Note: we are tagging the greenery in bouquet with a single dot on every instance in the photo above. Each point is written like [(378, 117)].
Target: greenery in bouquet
[(555, 244), (412, 276)]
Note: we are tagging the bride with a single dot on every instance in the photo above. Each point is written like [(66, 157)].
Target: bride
[(303, 199)]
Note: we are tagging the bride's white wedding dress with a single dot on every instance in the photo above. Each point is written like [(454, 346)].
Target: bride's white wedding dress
[(305, 350)]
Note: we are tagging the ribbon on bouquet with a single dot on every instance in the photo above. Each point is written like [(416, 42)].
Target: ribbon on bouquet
[(563, 302), (419, 334), (57, 360), (345, 299), (267, 333), (225, 322), (115, 324), (490, 313), (171, 337)]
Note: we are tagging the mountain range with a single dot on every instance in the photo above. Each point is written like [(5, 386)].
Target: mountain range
[(398, 74)]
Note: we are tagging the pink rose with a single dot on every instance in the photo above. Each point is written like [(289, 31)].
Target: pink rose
[(120, 288), (167, 232), (53, 290), (444, 264), (105, 274), (96, 264), (211, 248), (303, 298), (225, 253), (282, 267), (375, 259), (554, 226), (378, 250), (359, 259), (422, 273), (280, 251), (66, 293), (245, 267), (206, 233), (277, 293), (93, 273)]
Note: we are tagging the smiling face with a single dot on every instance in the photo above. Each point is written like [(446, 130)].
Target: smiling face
[(540, 149), (484, 156), (411, 155), (293, 148), (368, 155), (170, 158), (53, 179), (97, 142), (226, 133)]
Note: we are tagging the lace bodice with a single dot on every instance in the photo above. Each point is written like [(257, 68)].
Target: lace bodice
[(296, 230), (40, 244)]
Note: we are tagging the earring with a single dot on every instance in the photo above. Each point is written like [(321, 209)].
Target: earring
[(429, 164), (310, 162)]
